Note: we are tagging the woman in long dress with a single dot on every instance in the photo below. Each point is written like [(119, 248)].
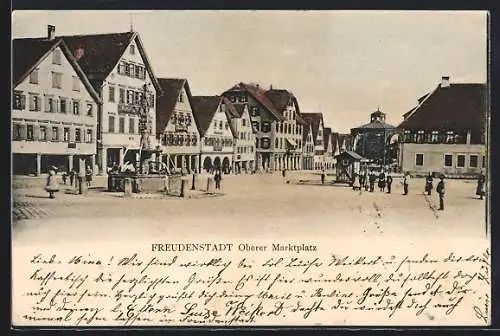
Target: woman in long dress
[(52, 186)]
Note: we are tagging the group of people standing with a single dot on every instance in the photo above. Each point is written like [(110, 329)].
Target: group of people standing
[(367, 179)]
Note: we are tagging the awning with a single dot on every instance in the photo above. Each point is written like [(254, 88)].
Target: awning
[(291, 142)]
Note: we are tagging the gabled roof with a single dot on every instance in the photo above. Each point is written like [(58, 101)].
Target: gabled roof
[(259, 95), (327, 132), (205, 107), (234, 111), (280, 99), (165, 104), (456, 107), (102, 52), (314, 118), (375, 125), (28, 53)]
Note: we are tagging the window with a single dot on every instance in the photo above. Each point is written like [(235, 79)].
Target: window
[(57, 80), (419, 159), (34, 77), (265, 143), (130, 96), (121, 68), (460, 161), (131, 126), (434, 136), (111, 124), (55, 133), (138, 71), (484, 161), (78, 135), (111, 94), (276, 143), (220, 124), (181, 97), (89, 109), (66, 134), (76, 107), (89, 136), (448, 160), (255, 111), (76, 83), (62, 103), (17, 132), (43, 133), (266, 126), (243, 122), (232, 99), (19, 101), (122, 96), (473, 161), (29, 132), (56, 57), (243, 98), (121, 125), (152, 101), (450, 138), (34, 102), (132, 49), (127, 69), (132, 70), (49, 104), (226, 125)]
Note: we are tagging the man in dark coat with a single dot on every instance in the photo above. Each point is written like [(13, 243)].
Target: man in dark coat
[(389, 183), (440, 189), (381, 181), (323, 177), (372, 178), (217, 178), (481, 181)]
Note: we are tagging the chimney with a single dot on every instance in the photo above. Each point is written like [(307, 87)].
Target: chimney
[(271, 87), (51, 32), (445, 81), (79, 52)]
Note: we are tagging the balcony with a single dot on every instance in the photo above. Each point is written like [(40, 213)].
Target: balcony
[(129, 108)]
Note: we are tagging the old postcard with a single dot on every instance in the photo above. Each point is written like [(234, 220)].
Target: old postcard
[(250, 168)]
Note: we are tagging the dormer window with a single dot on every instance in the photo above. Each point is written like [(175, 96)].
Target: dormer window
[(450, 137), (434, 136)]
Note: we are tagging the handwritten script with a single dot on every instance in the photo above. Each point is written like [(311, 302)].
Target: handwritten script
[(165, 288)]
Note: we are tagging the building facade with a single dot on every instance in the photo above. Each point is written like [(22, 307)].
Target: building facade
[(315, 119), (217, 137), (54, 108), (177, 127), (328, 146), (244, 141), (446, 131), (119, 70), (307, 148)]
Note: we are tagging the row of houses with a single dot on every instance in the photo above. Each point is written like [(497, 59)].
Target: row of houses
[(96, 98)]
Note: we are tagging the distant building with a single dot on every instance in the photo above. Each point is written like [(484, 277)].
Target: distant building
[(446, 131), (244, 141), (307, 148), (372, 140), (176, 126), (119, 70), (328, 145), (317, 125), (217, 137), (54, 108)]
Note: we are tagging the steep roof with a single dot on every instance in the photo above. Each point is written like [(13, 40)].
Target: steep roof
[(102, 52), (300, 120), (305, 132), (376, 125), (313, 118), (165, 104), (205, 107), (28, 53), (234, 111), (327, 132), (280, 99), (456, 107), (259, 95)]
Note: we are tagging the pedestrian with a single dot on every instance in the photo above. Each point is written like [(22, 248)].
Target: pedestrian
[(323, 176), (72, 177), (217, 178), (372, 178), (52, 186), (381, 180), (481, 186), (389, 183), (283, 173), (440, 190), (356, 185), (88, 176), (406, 183), (64, 177), (362, 178), (428, 184)]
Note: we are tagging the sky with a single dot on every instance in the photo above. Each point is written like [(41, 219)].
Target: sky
[(345, 64)]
